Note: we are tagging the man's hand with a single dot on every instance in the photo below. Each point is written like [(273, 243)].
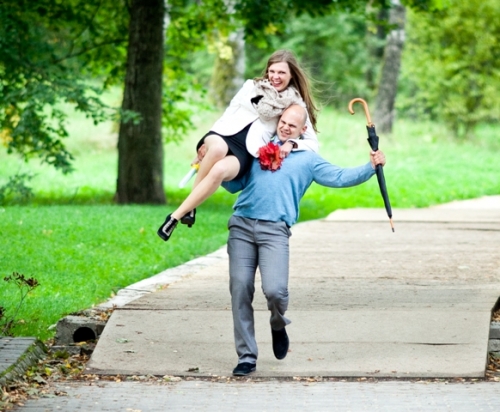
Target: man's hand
[(377, 158)]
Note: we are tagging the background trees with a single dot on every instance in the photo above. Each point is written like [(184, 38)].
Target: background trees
[(388, 83), (48, 52), (52, 52), (450, 65)]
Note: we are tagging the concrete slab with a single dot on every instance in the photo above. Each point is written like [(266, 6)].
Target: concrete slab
[(270, 395), (336, 344), (485, 202), (364, 301), (457, 253), (327, 293), (485, 215)]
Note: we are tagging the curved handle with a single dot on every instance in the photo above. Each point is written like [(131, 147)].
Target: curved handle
[(365, 106)]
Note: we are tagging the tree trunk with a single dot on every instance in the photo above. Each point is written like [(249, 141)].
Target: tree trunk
[(140, 146), (375, 40), (229, 71), (386, 97)]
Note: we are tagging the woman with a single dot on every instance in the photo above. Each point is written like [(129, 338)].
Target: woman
[(227, 149)]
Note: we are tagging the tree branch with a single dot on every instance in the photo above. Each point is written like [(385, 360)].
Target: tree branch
[(86, 26), (96, 46)]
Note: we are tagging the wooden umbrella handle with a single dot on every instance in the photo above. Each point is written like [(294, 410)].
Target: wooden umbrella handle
[(365, 106)]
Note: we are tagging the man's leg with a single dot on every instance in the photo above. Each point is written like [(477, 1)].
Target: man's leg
[(242, 252), (274, 265), (273, 241)]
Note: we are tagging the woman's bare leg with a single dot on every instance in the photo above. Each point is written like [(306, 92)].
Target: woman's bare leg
[(223, 170), (216, 149)]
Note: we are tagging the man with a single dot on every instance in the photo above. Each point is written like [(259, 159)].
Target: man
[(259, 232)]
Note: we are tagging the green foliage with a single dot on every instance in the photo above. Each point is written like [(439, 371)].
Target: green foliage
[(427, 5), (16, 189), (263, 19), (24, 286), (460, 79), (49, 49), (192, 27), (45, 47)]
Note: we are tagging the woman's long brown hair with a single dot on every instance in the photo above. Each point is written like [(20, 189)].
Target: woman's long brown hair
[(299, 80)]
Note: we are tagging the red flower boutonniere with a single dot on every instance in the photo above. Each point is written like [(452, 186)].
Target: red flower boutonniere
[(269, 157)]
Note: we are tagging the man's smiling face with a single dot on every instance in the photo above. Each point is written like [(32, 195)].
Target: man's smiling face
[(292, 123)]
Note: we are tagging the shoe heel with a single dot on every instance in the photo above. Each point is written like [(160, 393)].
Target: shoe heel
[(189, 218)]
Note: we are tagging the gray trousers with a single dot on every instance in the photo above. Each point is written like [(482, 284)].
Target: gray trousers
[(251, 244)]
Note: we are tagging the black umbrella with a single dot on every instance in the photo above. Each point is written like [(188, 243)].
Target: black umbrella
[(373, 141)]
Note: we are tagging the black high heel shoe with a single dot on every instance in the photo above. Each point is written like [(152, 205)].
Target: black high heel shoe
[(189, 218), (166, 229)]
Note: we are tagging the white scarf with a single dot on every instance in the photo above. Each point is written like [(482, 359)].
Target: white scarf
[(274, 103)]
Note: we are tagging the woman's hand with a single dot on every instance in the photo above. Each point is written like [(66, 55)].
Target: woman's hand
[(202, 151), (377, 158), (285, 149)]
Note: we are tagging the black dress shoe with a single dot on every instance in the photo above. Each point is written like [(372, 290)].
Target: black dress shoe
[(280, 343), (166, 229), (243, 369), (189, 218)]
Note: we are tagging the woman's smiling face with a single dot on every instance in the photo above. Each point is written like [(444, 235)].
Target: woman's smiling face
[(279, 75)]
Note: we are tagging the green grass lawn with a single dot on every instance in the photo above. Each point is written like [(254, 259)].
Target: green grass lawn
[(82, 248), (82, 254)]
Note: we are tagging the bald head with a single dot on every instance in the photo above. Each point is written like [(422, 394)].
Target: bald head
[(292, 123)]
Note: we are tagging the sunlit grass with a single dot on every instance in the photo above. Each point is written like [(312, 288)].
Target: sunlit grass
[(81, 254)]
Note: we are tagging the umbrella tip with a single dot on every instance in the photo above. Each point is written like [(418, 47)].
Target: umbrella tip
[(392, 224)]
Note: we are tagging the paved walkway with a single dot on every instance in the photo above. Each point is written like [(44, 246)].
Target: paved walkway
[(17, 355), (273, 396), (364, 302)]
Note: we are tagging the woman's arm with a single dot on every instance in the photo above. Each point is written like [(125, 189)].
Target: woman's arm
[(260, 134), (239, 113), (242, 98)]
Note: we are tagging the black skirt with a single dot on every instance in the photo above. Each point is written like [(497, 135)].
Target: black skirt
[(237, 147)]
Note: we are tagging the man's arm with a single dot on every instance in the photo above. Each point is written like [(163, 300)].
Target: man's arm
[(329, 175)]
